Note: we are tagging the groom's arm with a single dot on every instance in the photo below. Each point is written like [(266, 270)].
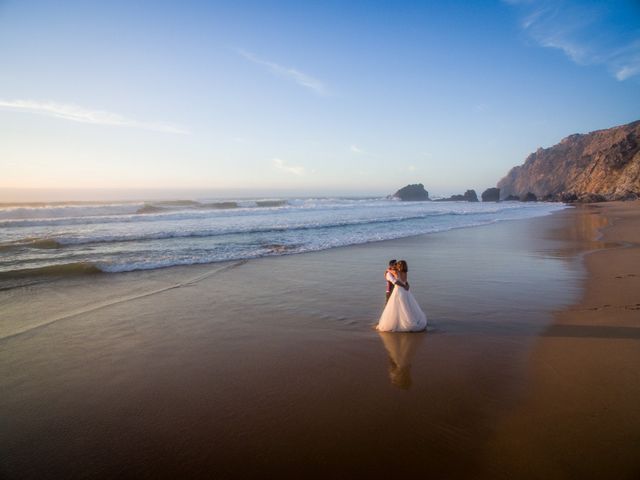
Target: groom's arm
[(397, 281)]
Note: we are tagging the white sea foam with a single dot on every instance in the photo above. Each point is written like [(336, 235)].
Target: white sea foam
[(114, 237)]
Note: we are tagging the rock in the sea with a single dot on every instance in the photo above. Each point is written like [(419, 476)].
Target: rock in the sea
[(469, 196), (412, 193), (529, 197), (512, 198), (491, 195), (601, 165)]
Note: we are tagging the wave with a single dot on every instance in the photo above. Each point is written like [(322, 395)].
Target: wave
[(284, 240), (120, 265), (62, 210), (219, 205), (140, 212), (271, 203), (267, 250), (65, 269), (61, 241), (177, 231), (160, 207), (31, 214), (42, 243), (150, 209), (74, 203), (36, 210), (152, 213)]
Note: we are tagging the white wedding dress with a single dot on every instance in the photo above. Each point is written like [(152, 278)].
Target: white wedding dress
[(402, 313)]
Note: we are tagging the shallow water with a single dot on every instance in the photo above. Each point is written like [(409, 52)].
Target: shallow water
[(272, 366)]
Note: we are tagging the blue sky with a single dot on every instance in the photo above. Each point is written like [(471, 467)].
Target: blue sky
[(303, 97)]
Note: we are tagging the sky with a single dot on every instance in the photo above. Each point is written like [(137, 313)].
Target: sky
[(318, 98)]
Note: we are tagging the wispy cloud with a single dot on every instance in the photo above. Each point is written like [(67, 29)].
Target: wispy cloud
[(289, 73), (76, 113), (355, 149), (631, 67), (284, 166), (588, 32)]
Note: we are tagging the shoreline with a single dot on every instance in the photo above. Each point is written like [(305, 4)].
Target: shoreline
[(580, 412), (272, 366), (177, 276), (84, 265)]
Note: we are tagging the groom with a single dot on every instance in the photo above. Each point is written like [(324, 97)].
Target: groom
[(392, 280)]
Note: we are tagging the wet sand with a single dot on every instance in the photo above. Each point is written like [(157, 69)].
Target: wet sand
[(580, 416), (272, 367)]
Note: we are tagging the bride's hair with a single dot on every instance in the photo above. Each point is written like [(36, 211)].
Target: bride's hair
[(401, 266)]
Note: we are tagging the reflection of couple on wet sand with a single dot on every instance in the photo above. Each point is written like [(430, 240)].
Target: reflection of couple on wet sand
[(401, 348), (401, 312)]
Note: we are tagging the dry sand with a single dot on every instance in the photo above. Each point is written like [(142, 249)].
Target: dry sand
[(272, 367), (580, 417)]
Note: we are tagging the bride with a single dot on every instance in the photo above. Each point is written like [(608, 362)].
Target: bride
[(402, 313)]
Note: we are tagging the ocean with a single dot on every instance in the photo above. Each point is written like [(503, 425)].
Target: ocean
[(77, 237)]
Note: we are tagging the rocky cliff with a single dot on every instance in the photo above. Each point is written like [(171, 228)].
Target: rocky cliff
[(601, 165)]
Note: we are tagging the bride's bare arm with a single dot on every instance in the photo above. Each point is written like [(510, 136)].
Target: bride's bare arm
[(398, 279)]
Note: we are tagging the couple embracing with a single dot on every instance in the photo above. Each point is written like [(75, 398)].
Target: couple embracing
[(401, 312)]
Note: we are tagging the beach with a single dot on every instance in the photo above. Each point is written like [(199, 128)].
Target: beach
[(272, 366), (580, 417)]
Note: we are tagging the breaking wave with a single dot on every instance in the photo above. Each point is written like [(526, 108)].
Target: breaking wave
[(87, 238), (62, 241), (65, 269)]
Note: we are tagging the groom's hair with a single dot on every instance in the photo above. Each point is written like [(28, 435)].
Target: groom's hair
[(392, 262)]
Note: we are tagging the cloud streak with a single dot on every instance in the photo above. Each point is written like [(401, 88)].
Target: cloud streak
[(293, 169), (587, 32), (288, 73), (79, 114)]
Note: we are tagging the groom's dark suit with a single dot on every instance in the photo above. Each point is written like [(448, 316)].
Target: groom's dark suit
[(390, 286)]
